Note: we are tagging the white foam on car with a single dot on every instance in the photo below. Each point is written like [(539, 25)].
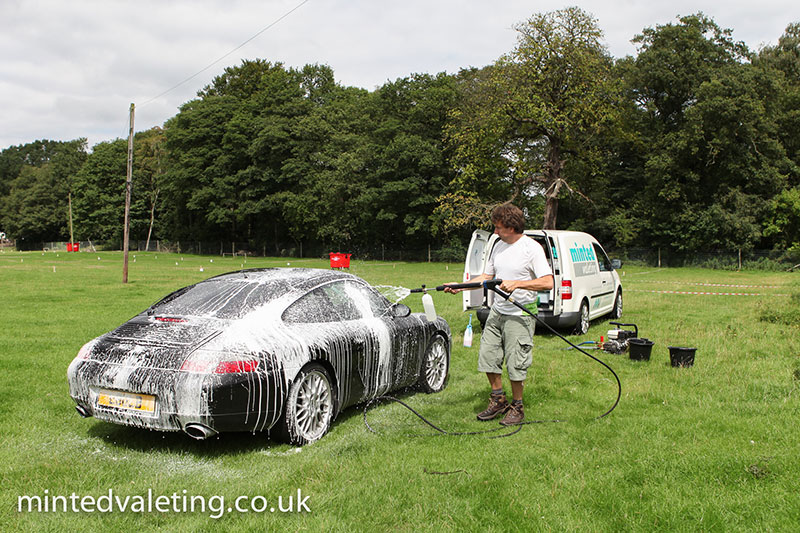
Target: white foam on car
[(260, 329)]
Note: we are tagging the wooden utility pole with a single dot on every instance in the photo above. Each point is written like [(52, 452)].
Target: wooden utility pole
[(127, 203), (69, 202)]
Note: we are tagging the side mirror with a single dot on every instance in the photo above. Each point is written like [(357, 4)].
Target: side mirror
[(400, 310), (616, 264)]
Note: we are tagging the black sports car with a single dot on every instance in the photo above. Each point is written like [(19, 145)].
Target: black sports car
[(281, 350)]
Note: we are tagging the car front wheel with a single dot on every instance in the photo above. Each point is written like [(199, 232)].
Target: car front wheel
[(583, 320), (309, 406), (435, 365)]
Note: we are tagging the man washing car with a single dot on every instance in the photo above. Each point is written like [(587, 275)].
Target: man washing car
[(508, 334)]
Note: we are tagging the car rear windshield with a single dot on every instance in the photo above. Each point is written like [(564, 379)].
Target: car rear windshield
[(220, 298)]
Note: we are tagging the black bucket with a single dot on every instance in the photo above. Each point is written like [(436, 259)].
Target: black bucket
[(640, 349), (681, 356)]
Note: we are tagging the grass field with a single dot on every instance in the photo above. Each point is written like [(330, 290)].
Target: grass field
[(713, 447)]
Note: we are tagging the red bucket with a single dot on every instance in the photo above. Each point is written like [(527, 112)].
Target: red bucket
[(76, 247), (69, 246), (340, 260)]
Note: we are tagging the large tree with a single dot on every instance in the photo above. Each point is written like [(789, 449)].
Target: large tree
[(542, 104), (707, 136), (36, 185)]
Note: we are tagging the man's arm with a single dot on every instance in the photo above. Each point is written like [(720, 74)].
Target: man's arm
[(545, 283)]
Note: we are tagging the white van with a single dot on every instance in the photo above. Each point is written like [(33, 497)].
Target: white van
[(585, 285)]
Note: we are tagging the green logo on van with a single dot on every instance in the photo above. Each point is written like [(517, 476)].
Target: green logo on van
[(582, 253)]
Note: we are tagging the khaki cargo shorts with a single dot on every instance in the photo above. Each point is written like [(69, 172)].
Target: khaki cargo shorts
[(507, 339)]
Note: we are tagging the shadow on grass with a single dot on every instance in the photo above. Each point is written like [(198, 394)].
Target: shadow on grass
[(222, 444)]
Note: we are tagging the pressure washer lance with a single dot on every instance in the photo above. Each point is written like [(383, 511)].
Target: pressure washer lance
[(494, 284)]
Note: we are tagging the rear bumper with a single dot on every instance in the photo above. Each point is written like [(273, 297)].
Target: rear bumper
[(222, 402)]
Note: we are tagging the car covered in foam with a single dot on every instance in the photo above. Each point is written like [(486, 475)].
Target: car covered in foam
[(280, 350)]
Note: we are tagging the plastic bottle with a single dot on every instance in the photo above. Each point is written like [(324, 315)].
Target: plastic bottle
[(468, 334), (427, 305)]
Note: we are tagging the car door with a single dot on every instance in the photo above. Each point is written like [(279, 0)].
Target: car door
[(328, 334)]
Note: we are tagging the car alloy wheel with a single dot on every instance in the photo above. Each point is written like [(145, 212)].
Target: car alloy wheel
[(309, 408), (433, 374), (583, 319)]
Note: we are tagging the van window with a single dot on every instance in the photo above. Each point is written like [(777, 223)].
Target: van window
[(602, 258)]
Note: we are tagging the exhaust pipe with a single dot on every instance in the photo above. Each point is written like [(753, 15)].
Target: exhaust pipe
[(198, 431), (83, 411)]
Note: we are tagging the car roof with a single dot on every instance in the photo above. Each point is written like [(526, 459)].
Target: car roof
[(300, 279)]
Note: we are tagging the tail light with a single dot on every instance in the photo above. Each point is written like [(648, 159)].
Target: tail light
[(566, 289), (169, 319), (218, 363), (233, 367), (86, 350)]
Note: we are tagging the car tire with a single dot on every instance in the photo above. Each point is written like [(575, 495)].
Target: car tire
[(435, 366), (309, 406), (582, 326), (617, 311)]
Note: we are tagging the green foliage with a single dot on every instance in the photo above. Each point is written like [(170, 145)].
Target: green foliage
[(37, 179), (541, 104), (692, 144)]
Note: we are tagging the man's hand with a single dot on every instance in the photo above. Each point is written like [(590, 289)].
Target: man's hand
[(476, 279), (452, 291), (508, 285)]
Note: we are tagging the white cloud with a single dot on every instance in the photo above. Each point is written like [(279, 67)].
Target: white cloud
[(71, 69)]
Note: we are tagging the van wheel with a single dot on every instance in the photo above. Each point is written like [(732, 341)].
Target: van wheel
[(582, 326), (617, 311)]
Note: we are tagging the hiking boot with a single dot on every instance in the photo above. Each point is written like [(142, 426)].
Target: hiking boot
[(497, 404), (515, 414)]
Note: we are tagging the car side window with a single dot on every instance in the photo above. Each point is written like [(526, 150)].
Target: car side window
[(311, 308), (368, 300), (338, 301), (602, 259), (342, 301)]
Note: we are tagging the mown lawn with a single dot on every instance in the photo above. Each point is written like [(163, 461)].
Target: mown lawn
[(709, 448)]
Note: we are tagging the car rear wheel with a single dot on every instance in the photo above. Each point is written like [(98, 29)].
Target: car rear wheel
[(617, 311), (309, 406), (435, 365), (582, 325)]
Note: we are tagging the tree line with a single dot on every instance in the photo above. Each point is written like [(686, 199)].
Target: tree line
[(692, 144)]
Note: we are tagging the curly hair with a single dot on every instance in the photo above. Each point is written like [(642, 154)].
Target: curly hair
[(509, 216)]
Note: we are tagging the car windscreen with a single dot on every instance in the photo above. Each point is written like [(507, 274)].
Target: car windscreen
[(220, 298)]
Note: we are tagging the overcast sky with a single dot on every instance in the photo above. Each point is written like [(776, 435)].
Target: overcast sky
[(72, 68)]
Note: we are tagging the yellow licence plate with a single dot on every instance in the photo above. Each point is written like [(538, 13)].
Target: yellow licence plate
[(143, 403)]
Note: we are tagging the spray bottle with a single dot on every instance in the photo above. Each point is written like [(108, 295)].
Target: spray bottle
[(468, 334), (427, 305)]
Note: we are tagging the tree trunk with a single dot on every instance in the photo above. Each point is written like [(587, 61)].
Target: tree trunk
[(552, 185), (550, 212), (152, 219)]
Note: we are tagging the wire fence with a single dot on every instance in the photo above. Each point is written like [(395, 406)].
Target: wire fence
[(651, 257)]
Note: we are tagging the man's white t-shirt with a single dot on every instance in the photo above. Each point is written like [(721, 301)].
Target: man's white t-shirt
[(523, 260)]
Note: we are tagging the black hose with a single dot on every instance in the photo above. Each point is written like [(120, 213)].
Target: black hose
[(493, 285)]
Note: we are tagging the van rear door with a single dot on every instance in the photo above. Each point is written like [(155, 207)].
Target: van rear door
[(474, 266), (607, 290)]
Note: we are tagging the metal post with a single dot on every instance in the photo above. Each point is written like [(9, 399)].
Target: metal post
[(127, 202)]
